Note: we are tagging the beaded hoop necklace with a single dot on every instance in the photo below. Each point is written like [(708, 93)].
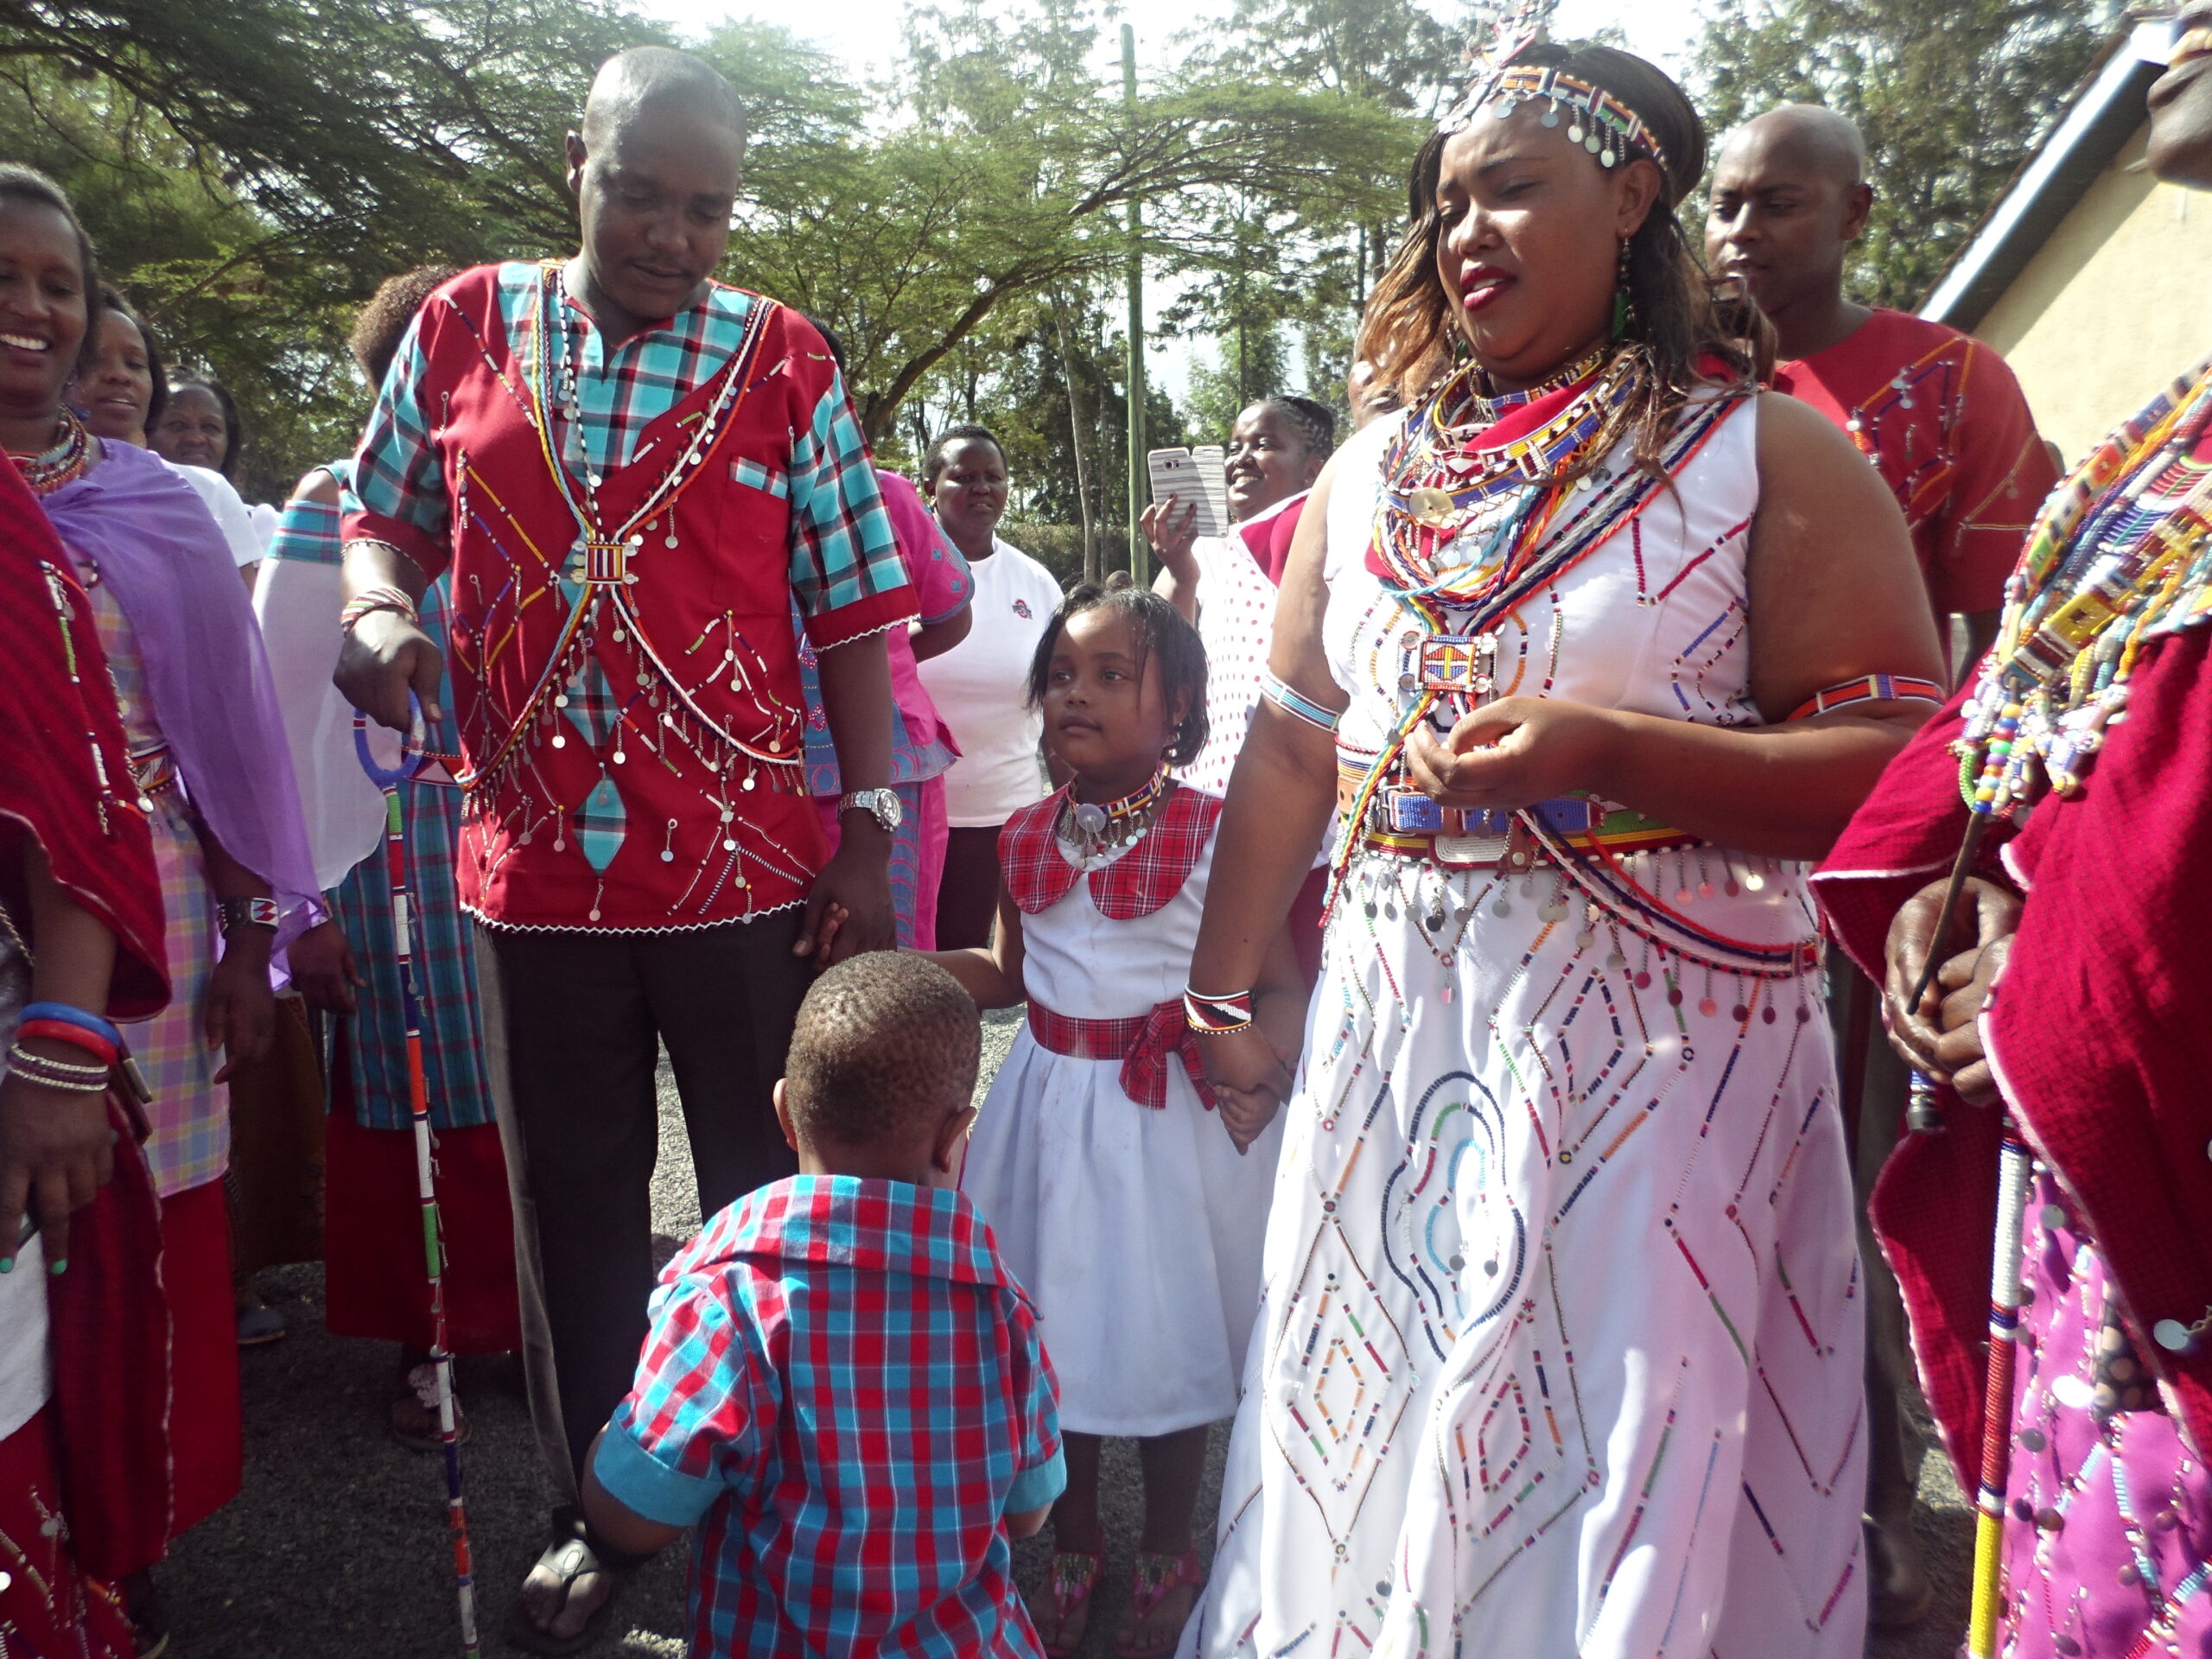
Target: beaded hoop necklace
[(1099, 827), (63, 462), (2122, 554)]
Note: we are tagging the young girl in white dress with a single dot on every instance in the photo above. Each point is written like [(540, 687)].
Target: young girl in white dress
[(1100, 1159)]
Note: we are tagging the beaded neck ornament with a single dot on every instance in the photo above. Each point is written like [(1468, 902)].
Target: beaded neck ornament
[(1099, 829), (63, 462), (2122, 554), (1595, 119)]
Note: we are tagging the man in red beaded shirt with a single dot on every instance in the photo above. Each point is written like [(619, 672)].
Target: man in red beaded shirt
[(1941, 415), (631, 472)]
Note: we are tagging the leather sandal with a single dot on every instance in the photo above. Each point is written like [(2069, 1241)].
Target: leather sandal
[(573, 1551)]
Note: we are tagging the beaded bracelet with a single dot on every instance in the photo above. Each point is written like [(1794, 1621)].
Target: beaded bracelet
[(1297, 706), (60, 1031), (376, 599), (56, 1074), (1870, 688), (1217, 1016), (72, 1016)]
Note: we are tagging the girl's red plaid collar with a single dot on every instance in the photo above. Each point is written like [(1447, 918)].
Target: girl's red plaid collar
[(1038, 875)]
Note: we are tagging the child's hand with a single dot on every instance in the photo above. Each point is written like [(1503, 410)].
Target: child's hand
[(834, 915), (1246, 1114)]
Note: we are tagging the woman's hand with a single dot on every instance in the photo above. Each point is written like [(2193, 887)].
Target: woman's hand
[(56, 1151), (323, 969), (1940, 1036), (1513, 752), (1172, 528), (240, 1014), (1250, 1079)]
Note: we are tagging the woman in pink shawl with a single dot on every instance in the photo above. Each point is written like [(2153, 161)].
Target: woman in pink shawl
[(207, 757), (2075, 1007)]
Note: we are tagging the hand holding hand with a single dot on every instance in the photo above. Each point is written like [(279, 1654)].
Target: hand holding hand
[(1250, 1078), (1927, 1033), (849, 910), (1512, 753)]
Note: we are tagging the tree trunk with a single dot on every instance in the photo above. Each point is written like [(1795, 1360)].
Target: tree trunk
[(1078, 423)]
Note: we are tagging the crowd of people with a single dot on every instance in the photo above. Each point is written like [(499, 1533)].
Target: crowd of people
[(1434, 1064)]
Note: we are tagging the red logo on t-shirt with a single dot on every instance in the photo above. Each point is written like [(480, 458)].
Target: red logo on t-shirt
[(1021, 608)]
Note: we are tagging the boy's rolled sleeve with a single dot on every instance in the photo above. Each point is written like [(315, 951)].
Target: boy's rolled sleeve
[(845, 569), (692, 1413), (1034, 1489), (1038, 1460)]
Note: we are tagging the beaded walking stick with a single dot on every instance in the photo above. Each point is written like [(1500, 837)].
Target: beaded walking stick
[(412, 762), (2012, 1174)]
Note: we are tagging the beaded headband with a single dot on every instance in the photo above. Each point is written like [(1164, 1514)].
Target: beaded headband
[(1596, 120)]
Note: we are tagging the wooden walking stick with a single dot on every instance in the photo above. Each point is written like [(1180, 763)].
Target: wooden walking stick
[(413, 759)]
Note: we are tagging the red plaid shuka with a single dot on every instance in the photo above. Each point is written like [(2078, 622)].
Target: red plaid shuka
[(1136, 884), (1141, 1044)]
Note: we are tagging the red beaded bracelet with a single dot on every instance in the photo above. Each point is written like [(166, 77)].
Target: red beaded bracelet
[(60, 1031)]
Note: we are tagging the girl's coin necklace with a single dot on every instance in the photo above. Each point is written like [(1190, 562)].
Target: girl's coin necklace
[(1097, 829)]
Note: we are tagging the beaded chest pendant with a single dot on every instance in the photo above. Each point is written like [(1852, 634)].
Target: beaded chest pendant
[(2122, 554)]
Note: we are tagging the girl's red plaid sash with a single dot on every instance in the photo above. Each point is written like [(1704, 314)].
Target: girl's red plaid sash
[(1143, 1044)]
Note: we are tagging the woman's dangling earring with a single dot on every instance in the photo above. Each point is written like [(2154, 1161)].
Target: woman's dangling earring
[(1623, 303)]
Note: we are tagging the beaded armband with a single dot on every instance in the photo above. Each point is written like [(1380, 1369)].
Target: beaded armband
[(376, 599), (248, 912), (1297, 706), (1870, 688), (1217, 1016)]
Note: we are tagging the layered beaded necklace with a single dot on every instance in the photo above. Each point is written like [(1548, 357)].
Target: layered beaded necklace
[(1098, 829), (63, 462), (2122, 554)]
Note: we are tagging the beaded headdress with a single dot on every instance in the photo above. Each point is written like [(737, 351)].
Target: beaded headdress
[(1594, 117)]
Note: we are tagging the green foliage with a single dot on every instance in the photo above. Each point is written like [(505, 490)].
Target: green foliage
[(1951, 95)]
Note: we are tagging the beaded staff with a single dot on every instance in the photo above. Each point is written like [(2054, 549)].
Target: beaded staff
[(2014, 1168), (413, 760)]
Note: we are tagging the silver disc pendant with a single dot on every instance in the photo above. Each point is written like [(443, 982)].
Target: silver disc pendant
[(1091, 818)]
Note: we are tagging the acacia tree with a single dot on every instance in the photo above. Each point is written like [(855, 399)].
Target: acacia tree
[(1952, 95)]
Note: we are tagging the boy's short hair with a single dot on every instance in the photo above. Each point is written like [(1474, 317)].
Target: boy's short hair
[(884, 1041)]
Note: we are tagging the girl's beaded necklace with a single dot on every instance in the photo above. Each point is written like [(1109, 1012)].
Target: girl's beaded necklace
[(2121, 554), (1099, 830)]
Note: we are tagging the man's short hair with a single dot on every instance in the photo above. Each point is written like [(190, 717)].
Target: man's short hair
[(629, 80), (884, 1042)]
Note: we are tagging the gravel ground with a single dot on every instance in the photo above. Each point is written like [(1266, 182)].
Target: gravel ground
[(338, 1548)]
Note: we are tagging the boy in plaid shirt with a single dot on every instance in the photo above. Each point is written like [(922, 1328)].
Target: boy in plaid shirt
[(843, 1388)]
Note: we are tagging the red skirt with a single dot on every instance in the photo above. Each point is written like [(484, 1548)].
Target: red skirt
[(374, 1282), (206, 1429), (47, 1609)]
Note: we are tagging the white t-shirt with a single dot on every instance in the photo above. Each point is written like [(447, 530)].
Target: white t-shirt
[(232, 514), (981, 688)]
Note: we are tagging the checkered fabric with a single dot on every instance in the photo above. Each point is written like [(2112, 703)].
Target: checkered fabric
[(1142, 1045), (841, 543), (1038, 875), (841, 1389), (191, 1113)]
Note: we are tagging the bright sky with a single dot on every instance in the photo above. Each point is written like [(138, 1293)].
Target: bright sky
[(868, 33)]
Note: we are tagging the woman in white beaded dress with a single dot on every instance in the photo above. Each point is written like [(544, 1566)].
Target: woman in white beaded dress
[(1591, 648)]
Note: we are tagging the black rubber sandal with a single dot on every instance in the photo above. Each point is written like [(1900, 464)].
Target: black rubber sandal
[(571, 1552)]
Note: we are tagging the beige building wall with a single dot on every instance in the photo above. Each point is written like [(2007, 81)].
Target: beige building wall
[(2112, 306)]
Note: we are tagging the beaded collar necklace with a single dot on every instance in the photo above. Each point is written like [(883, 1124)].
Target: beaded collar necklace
[(1098, 828), (1486, 408), (2122, 554), (1457, 518), (63, 462)]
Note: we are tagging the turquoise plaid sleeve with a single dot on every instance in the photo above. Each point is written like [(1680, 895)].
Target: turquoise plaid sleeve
[(692, 1416), (842, 550), (1034, 1489), (397, 474)]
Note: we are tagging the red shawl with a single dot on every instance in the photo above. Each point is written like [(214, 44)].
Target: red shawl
[(64, 787), (2097, 1031), (65, 774)]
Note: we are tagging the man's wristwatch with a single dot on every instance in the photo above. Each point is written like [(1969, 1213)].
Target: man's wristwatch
[(883, 803), (248, 912)]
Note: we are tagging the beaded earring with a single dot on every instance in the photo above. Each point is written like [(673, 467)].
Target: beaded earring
[(1624, 300)]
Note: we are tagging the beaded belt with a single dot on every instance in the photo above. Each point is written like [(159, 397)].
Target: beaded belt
[(1141, 1044), (1402, 820)]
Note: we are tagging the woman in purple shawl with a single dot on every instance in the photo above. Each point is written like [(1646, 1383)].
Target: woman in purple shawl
[(208, 752)]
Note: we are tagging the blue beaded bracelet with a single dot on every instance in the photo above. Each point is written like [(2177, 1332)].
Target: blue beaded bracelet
[(77, 1017), (1297, 706)]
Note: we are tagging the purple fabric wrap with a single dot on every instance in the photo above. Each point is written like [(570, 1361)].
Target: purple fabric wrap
[(160, 554)]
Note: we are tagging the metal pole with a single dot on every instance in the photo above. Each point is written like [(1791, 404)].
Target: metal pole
[(1140, 552)]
